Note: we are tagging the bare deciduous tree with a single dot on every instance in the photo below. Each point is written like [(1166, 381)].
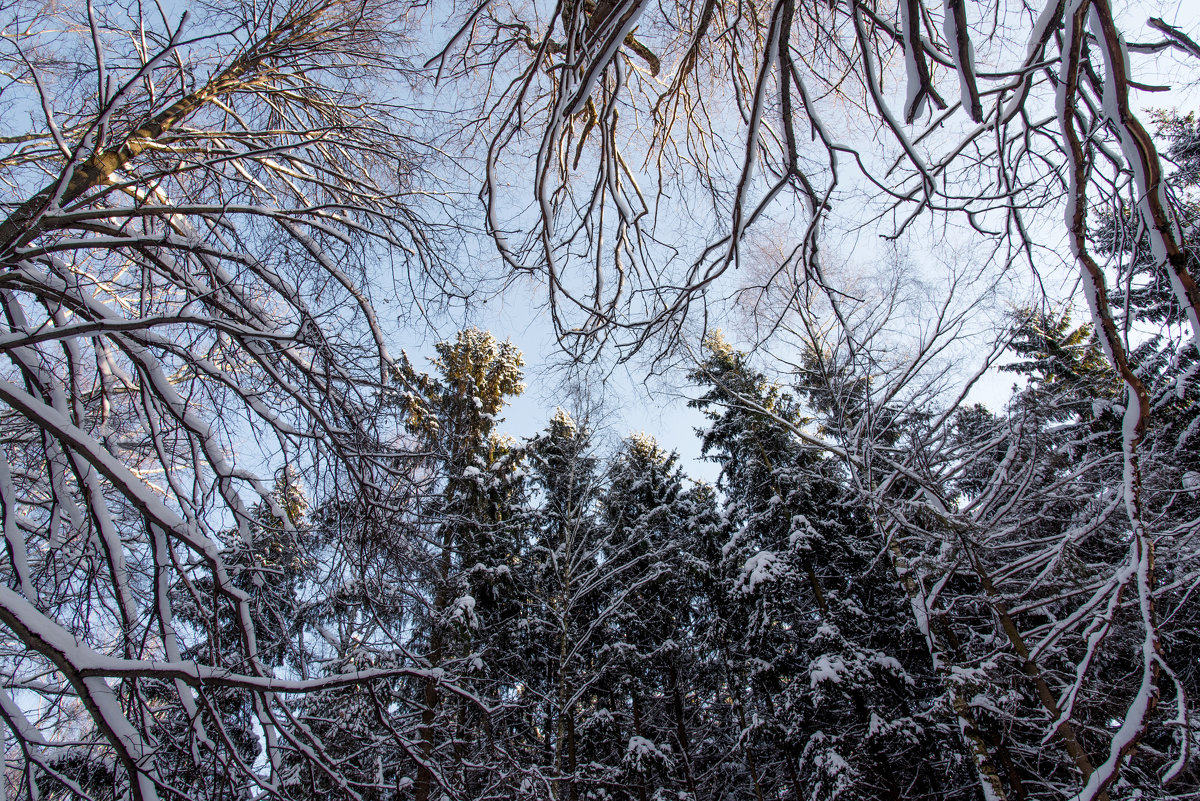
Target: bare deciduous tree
[(190, 211)]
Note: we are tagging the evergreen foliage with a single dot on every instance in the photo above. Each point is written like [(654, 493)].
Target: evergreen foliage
[(564, 625)]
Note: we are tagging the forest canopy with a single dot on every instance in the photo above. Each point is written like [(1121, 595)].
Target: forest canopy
[(255, 550)]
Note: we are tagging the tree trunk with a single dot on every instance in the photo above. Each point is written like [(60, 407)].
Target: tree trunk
[(681, 735)]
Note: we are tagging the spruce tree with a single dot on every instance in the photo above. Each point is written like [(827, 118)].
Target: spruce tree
[(838, 698), (647, 517), (453, 415)]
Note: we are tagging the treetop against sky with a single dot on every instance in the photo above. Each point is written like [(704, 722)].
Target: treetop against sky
[(254, 550)]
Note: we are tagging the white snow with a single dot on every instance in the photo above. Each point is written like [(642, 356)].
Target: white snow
[(826, 668), (463, 611), (641, 751), (758, 569)]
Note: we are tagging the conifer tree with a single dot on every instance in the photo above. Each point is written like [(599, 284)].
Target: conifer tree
[(1055, 473), (839, 700), (647, 517), (214, 740), (566, 577), (453, 416), (423, 584)]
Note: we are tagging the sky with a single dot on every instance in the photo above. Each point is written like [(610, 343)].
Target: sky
[(631, 403), (620, 401)]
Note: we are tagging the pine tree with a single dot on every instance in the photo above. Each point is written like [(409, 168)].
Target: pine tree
[(425, 583), (566, 579), (453, 416), (646, 514), (840, 700)]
